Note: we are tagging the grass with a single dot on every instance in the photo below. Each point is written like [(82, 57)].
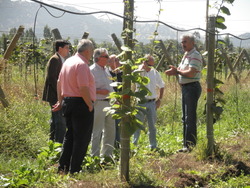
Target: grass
[(28, 159)]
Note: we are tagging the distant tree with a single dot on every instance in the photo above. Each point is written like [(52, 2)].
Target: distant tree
[(109, 46), (228, 43), (12, 32), (47, 32), (75, 42), (28, 36)]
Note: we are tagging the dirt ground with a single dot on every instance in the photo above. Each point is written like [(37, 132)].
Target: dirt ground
[(183, 167)]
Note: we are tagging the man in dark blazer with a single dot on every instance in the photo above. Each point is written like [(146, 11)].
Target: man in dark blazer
[(57, 122)]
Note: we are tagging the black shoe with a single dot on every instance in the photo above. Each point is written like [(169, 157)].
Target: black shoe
[(62, 171)]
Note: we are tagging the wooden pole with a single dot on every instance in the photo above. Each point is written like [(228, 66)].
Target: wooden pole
[(56, 34), (85, 35), (117, 42), (6, 56), (13, 42), (210, 87), (206, 34), (235, 66), (126, 103), (166, 55)]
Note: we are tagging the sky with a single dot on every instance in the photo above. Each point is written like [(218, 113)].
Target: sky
[(185, 14)]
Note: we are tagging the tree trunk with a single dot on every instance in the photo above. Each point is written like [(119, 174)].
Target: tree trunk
[(125, 136)]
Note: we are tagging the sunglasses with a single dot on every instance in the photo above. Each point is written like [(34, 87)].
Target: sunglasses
[(105, 56), (148, 64)]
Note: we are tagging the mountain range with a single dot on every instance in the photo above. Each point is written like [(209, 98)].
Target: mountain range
[(16, 13)]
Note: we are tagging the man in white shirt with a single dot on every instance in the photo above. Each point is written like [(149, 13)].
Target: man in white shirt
[(152, 102)]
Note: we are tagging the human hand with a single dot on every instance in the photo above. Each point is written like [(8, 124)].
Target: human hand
[(91, 107), (56, 107), (172, 71), (158, 103), (103, 91)]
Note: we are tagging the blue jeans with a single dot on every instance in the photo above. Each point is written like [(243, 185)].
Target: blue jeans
[(150, 113), (117, 133), (57, 126), (190, 95)]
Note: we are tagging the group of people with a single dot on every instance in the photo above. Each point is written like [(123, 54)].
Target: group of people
[(78, 93)]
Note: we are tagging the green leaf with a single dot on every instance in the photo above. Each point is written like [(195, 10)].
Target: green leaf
[(126, 49), (220, 25), (22, 183), (145, 80), (131, 127), (220, 100), (220, 41), (218, 91), (216, 81), (230, 1), (225, 10), (156, 41), (220, 19)]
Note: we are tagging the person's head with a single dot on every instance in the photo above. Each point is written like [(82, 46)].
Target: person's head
[(62, 47), (85, 47), (101, 56), (113, 62), (149, 62), (187, 42)]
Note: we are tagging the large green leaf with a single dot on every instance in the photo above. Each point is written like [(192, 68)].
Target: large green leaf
[(220, 41), (220, 25), (220, 19), (225, 10)]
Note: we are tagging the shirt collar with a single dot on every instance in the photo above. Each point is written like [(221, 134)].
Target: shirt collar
[(82, 57), (100, 67), (190, 52), (62, 59)]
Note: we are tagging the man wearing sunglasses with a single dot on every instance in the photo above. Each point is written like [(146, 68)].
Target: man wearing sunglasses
[(152, 102), (104, 125)]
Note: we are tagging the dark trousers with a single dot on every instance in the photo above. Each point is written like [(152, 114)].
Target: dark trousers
[(79, 122), (190, 95), (57, 126)]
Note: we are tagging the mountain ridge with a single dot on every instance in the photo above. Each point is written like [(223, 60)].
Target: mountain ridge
[(15, 13)]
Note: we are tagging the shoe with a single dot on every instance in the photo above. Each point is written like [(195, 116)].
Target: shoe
[(184, 150), (62, 172)]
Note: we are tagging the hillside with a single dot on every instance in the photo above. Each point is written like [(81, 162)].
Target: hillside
[(15, 13), (243, 43)]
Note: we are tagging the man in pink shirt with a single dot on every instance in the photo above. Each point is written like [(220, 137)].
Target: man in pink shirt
[(76, 94)]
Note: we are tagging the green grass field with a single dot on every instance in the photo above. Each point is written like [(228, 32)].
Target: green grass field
[(28, 159)]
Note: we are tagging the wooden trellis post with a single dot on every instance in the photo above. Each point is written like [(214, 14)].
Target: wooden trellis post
[(85, 35), (236, 64), (117, 42), (6, 56), (56, 34), (166, 55), (210, 86)]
